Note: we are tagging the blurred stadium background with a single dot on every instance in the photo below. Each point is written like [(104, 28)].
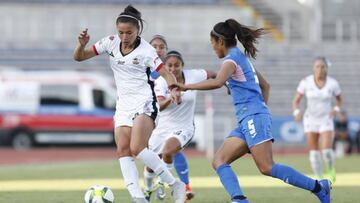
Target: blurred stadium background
[(41, 35)]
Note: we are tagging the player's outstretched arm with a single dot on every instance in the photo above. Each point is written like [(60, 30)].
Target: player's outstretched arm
[(81, 52), (227, 69), (210, 74), (171, 81)]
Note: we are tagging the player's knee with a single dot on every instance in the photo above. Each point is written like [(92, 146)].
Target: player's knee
[(265, 169), (166, 152), (217, 161), (167, 156), (122, 152), (135, 150), (169, 151)]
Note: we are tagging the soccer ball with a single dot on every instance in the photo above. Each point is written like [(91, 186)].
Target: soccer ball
[(99, 194)]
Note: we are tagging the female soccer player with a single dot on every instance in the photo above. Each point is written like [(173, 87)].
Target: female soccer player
[(319, 90), (249, 93), (132, 59), (160, 44), (176, 124)]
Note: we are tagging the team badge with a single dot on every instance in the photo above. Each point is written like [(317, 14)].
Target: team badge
[(111, 38), (136, 61)]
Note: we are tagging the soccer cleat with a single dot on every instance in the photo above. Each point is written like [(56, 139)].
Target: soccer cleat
[(139, 200), (189, 193), (331, 175), (324, 193), (178, 191), (147, 195), (160, 191)]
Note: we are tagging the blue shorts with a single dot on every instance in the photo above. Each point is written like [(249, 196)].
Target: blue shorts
[(254, 129)]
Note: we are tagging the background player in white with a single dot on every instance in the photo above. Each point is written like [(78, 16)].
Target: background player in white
[(132, 59), (176, 123), (319, 90)]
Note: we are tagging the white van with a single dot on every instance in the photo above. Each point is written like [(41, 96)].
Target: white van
[(56, 107)]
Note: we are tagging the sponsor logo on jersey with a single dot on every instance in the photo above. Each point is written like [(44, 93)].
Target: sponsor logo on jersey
[(121, 62), (136, 61)]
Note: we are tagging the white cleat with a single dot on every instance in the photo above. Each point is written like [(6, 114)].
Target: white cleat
[(178, 191)]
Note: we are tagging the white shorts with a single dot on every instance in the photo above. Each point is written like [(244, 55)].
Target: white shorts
[(157, 141), (318, 125), (126, 118)]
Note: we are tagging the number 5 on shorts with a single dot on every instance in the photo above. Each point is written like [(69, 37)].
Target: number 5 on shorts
[(251, 127)]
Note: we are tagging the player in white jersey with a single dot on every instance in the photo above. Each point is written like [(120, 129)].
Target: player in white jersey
[(132, 60), (319, 90), (176, 123)]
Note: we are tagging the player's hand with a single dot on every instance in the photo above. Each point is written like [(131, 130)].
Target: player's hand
[(175, 96), (298, 117), (181, 87), (332, 114), (84, 37)]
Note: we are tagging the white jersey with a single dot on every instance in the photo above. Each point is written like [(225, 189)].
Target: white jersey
[(178, 117), (318, 100), (131, 72)]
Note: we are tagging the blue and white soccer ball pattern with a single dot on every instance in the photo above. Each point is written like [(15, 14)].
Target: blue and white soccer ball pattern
[(99, 194)]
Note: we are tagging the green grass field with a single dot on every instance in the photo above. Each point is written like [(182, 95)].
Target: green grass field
[(67, 182)]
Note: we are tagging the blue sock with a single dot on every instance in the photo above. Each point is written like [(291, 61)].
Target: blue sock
[(181, 167), (229, 180), (292, 177)]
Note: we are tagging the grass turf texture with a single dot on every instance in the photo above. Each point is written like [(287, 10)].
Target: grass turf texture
[(67, 182)]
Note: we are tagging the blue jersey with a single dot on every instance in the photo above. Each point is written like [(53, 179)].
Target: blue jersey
[(244, 86)]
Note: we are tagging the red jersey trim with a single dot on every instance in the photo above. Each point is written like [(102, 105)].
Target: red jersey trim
[(159, 67), (94, 49)]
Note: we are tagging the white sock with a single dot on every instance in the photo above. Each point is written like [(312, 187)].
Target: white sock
[(152, 160), (316, 162), (131, 176), (169, 167), (329, 157), (148, 179)]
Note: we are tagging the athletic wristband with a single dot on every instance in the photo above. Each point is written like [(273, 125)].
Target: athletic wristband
[(170, 87), (296, 112), (337, 109)]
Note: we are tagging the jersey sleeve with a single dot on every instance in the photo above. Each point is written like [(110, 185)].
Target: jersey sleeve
[(301, 87), (199, 75), (102, 46), (160, 87), (153, 61), (337, 89)]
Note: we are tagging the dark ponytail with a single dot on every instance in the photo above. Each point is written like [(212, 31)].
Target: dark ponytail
[(246, 36), (131, 15)]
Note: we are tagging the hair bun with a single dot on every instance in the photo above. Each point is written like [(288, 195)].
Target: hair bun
[(130, 10)]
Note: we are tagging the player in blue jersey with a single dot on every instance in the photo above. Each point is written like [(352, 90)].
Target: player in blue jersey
[(249, 92)]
